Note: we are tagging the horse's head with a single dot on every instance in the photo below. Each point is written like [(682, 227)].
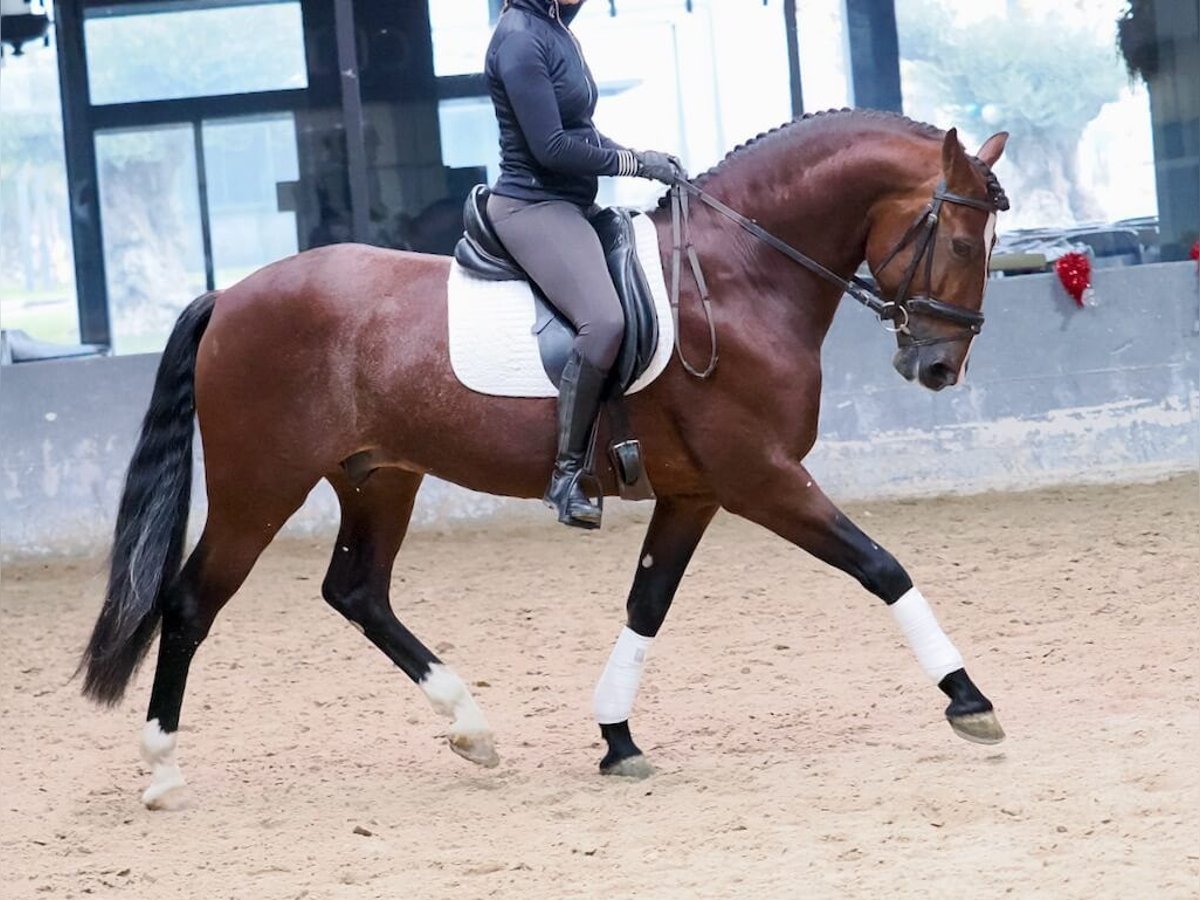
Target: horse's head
[(928, 249)]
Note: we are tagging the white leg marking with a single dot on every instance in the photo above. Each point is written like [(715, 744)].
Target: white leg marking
[(936, 654), (647, 561), (618, 685), (470, 735), (166, 781)]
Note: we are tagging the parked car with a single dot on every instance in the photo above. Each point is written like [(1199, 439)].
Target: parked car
[(1130, 242)]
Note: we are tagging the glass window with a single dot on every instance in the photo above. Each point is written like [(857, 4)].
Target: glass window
[(694, 84), (249, 163), (150, 219), (824, 54), (1160, 43), (1080, 156), (193, 50), (461, 31), (470, 135), (37, 269)]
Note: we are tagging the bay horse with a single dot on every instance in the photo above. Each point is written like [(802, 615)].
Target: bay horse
[(340, 353)]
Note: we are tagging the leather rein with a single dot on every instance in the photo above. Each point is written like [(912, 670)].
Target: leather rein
[(898, 312)]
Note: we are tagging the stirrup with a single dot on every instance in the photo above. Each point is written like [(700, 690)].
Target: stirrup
[(570, 483)]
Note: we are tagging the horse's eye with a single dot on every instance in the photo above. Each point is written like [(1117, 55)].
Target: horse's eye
[(962, 247)]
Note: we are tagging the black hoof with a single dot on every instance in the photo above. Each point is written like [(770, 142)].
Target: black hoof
[(970, 713), (635, 767), (965, 698), (978, 728), (623, 756)]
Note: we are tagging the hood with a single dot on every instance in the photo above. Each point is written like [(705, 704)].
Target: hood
[(546, 9)]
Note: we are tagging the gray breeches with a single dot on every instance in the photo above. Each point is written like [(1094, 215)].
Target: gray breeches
[(554, 242)]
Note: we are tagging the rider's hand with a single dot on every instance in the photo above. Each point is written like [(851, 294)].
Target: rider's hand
[(660, 166)]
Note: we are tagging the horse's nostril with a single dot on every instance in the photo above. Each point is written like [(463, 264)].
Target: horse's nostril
[(942, 375)]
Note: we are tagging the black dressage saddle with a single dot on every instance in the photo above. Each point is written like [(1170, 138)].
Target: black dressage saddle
[(480, 252)]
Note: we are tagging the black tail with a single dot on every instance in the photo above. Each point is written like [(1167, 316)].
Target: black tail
[(152, 518)]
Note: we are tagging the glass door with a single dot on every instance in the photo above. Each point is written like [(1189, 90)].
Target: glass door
[(250, 175), (151, 230), (191, 108), (181, 215)]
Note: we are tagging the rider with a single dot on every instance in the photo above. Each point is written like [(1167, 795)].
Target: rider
[(550, 154)]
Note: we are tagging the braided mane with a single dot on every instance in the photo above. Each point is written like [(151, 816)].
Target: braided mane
[(995, 190)]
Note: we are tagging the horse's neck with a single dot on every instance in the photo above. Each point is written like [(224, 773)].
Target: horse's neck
[(818, 199)]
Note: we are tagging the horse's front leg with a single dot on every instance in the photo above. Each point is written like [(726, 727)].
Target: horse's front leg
[(675, 529), (788, 501)]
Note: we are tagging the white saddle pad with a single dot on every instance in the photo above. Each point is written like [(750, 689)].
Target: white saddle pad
[(493, 349)]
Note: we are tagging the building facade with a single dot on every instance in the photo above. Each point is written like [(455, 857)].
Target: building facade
[(152, 150)]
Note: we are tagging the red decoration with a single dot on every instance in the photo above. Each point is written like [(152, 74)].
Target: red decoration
[(1195, 254), (1075, 272)]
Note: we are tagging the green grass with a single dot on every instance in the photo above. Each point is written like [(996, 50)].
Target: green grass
[(51, 315), (58, 323)]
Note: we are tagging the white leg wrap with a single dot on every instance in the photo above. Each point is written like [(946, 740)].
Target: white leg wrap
[(158, 750), (618, 684), (937, 656), (450, 697)]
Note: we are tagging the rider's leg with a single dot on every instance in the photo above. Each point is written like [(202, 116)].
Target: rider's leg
[(554, 242)]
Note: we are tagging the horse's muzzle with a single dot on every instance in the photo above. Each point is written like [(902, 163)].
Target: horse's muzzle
[(935, 374), (906, 362)]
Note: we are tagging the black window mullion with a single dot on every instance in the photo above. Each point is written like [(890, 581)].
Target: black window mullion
[(210, 280), (874, 54), (148, 113), (352, 117), (793, 51), (95, 326), (451, 87)]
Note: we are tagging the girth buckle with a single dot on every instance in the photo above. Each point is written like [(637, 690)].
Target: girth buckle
[(632, 481)]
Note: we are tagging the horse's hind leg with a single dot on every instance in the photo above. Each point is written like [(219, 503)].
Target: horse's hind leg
[(230, 545), (374, 521)]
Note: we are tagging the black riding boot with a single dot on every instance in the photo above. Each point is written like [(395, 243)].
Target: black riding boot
[(578, 404)]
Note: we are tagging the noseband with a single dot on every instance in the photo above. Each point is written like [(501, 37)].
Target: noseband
[(898, 312)]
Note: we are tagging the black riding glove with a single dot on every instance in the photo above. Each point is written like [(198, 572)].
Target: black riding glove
[(660, 166)]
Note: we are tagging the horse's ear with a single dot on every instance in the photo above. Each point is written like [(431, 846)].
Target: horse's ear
[(951, 150), (993, 147), (955, 164)]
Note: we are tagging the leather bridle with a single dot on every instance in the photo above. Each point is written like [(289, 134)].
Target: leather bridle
[(923, 233), (898, 311)]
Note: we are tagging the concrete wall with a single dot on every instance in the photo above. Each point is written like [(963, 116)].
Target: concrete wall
[(1054, 394)]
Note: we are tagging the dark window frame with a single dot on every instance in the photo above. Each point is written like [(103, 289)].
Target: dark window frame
[(83, 119)]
